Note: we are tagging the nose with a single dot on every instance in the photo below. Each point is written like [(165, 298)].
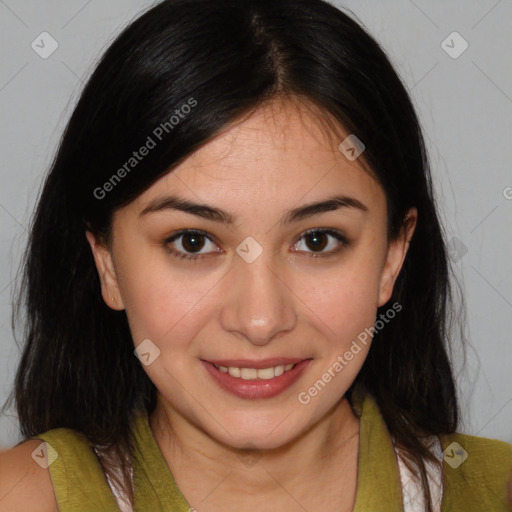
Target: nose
[(258, 305)]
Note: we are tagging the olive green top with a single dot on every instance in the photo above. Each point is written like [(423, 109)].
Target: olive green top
[(477, 485)]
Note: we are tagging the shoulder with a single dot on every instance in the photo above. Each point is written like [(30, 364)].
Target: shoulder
[(25, 483), (478, 463)]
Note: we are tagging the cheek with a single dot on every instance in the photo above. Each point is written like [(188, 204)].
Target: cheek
[(163, 302), (346, 297), (345, 307)]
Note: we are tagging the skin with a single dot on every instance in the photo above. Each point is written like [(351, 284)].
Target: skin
[(285, 303)]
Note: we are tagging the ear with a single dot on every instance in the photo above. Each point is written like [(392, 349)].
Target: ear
[(106, 271), (397, 250)]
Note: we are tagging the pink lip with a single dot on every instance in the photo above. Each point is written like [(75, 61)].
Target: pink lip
[(256, 388)]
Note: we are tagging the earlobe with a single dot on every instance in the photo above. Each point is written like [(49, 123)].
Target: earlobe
[(397, 251), (106, 272)]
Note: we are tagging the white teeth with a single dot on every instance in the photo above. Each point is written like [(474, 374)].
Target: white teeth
[(234, 372), (279, 370), (265, 373), (255, 373), (248, 373)]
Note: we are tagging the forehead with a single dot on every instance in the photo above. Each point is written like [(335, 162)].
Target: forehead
[(281, 153), (280, 131)]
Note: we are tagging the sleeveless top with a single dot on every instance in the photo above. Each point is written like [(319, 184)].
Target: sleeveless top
[(384, 484)]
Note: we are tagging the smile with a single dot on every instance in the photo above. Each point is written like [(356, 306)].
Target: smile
[(253, 380)]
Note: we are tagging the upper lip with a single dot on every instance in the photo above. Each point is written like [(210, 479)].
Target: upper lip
[(263, 363)]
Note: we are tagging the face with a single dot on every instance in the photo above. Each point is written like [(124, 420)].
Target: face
[(255, 281)]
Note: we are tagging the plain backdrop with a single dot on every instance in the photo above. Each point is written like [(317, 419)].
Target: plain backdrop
[(464, 100)]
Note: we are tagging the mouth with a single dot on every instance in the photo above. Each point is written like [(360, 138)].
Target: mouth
[(256, 379)]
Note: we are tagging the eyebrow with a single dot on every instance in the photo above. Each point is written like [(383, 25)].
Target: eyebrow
[(217, 215)]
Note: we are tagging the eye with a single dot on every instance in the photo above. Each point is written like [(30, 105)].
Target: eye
[(318, 237), (192, 241)]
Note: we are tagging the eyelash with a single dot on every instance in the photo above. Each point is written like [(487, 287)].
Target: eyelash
[(180, 255)]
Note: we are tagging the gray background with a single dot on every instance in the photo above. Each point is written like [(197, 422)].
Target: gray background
[(464, 103)]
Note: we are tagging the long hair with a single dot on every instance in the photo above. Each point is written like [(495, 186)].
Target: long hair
[(209, 63)]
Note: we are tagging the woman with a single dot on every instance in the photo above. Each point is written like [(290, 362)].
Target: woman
[(237, 287)]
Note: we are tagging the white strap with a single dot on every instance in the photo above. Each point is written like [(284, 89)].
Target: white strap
[(122, 501), (412, 491)]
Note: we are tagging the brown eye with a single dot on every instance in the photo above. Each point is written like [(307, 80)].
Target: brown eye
[(192, 241), (318, 239)]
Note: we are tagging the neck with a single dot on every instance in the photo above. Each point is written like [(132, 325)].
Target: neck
[(330, 445)]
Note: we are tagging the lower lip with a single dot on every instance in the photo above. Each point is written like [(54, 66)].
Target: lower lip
[(256, 388)]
